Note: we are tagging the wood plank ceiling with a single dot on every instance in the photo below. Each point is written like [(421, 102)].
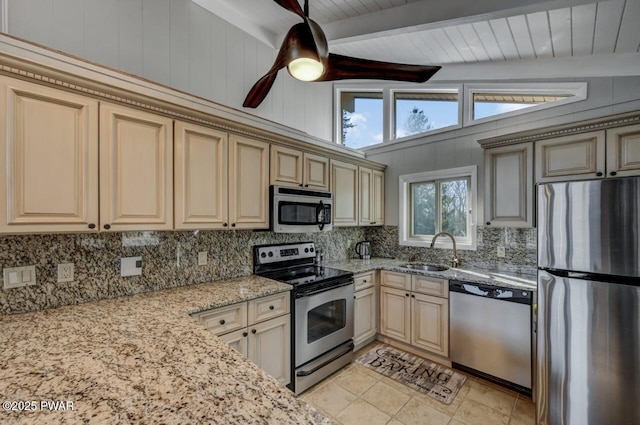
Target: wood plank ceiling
[(520, 30)]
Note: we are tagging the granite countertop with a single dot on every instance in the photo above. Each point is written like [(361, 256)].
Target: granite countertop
[(477, 275), (142, 359)]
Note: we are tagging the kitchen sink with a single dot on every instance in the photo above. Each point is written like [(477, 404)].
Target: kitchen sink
[(424, 267)]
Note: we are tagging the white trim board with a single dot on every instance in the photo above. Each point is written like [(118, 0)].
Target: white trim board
[(4, 16)]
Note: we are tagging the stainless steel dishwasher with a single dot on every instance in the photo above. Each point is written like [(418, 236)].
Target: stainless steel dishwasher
[(491, 334)]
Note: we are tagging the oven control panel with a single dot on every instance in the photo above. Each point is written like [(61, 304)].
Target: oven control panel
[(267, 254)]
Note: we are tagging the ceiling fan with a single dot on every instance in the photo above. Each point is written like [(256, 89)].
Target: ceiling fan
[(305, 53)]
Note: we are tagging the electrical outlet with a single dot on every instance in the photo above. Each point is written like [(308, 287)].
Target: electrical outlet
[(501, 252), (131, 266), (65, 272), (202, 258)]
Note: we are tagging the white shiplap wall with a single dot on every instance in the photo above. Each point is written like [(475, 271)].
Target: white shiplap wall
[(176, 43)]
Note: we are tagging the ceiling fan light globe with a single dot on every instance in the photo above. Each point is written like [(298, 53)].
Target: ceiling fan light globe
[(305, 69)]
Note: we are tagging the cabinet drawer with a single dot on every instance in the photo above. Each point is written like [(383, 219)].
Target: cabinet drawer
[(396, 280), (224, 319), (267, 307), (430, 286), (364, 280)]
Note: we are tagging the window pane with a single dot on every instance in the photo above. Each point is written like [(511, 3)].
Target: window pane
[(423, 201), (453, 195), (361, 118), (490, 104), (420, 112)]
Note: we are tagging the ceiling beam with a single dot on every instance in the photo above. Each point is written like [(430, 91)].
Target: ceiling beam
[(612, 65), (427, 14), (222, 9)]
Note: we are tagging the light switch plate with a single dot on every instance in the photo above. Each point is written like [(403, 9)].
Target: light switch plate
[(131, 266), (501, 252), (17, 277), (202, 258)]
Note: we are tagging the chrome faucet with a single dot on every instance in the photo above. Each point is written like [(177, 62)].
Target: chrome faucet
[(455, 261)]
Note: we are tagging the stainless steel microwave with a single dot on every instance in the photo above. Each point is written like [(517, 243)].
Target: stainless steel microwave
[(300, 210)]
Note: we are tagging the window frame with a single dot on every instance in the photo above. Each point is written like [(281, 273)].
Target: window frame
[(577, 92), (405, 210)]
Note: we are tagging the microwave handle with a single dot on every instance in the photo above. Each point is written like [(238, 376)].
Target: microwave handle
[(320, 211)]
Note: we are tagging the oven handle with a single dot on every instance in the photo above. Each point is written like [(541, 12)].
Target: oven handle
[(301, 294), (348, 349)]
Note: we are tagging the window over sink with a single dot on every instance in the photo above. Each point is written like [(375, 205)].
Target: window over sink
[(439, 201)]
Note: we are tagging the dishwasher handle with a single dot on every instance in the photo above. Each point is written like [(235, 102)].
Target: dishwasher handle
[(520, 296)]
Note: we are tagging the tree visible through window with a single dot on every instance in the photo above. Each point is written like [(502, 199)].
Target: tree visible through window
[(440, 206)]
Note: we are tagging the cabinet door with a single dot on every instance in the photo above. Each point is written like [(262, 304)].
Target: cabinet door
[(623, 151), (270, 347), (316, 172), (344, 186), (136, 169), (248, 183), (49, 146), (509, 186), (200, 158), (578, 156), (430, 323), (238, 340), (364, 280), (365, 317), (286, 166), (365, 217), (377, 198), (395, 313)]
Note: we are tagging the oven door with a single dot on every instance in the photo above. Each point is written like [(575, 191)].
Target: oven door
[(324, 320)]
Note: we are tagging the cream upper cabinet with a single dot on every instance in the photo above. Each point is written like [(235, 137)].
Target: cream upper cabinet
[(201, 177), (286, 166), (316, 172), (623, 151), (371, 197), (509, 186), (49, 146), (292, 167), (573, 157), (136, 169), (248, 183), (344, 186)]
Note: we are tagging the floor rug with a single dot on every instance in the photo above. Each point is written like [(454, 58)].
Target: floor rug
[(432, 379)]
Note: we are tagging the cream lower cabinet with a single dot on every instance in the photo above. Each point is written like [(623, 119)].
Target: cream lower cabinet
[(49, 146), (260, 329), (365, 325), (344, 186), (415, 310), (509, 186)]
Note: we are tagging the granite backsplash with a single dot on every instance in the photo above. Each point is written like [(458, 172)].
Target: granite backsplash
[(520, 249), (169, 259)]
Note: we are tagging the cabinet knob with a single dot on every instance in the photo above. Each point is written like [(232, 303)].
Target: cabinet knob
[(271, 307), (488, 223), (245, 334), (599, 174), (413, 296), (306, 185), (107, 226), (613, 173), (224, 224), (300, 185), (406, 295), (233, 224), (92, 225), (222, 322), (364, 281), (253, 331)]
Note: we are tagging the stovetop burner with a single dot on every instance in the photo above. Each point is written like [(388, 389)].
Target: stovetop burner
[(303, 275)]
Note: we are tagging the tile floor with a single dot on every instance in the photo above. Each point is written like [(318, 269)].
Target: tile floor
[(356, 395)]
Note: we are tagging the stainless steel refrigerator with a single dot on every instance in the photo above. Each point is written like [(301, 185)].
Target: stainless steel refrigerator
[(588, 321)]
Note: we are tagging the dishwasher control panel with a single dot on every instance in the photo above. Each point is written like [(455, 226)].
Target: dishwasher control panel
[(491, 291)]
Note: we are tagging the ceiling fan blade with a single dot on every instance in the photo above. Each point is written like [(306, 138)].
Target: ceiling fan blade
[(260, 90), (346, 68), (292, 6)]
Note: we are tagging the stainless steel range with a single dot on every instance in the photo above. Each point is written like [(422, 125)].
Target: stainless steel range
[(321, 305)]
